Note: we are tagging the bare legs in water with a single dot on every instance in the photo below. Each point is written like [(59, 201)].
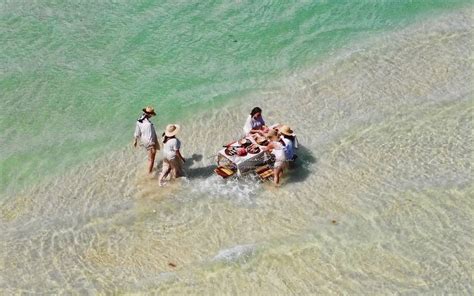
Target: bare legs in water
[(277, 174), (151, 159)]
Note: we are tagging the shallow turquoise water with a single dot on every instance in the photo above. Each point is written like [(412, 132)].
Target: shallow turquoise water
[(380, 94), (75, 75)]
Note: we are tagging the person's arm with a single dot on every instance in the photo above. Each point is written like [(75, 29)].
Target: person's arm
[(157, 142), (256, 131), (178, 153), (176, 146), (260, 131), (136, 135), (268, 148), (248, 126)]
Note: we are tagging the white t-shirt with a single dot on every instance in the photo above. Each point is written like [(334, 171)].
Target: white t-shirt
[(146, 132), (170, 148), (278, 151)]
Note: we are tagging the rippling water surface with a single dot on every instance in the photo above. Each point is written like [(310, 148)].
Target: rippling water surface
[(380, 95)]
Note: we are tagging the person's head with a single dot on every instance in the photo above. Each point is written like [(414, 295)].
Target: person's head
[(171, 130), (256, 112), (272, 135), (149, 111), (287, 132)]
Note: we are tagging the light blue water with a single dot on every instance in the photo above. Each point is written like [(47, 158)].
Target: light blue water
[(75, 75)]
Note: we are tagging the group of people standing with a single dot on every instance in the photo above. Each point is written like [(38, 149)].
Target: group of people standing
[(172, 159), (282, 143)]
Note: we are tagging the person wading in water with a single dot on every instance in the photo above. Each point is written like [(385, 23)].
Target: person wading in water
[(172, 158), (145, 131)]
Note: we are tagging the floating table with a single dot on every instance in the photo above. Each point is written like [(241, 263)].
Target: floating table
[(243, 164)]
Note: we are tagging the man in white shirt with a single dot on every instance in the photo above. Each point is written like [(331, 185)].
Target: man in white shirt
[(145, 131)]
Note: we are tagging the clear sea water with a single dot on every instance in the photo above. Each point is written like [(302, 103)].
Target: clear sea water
[(380, 95)]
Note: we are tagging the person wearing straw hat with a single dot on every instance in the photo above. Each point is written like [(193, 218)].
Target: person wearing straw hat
[(289, 142), (275, 147), (172, 160), (145, 131)]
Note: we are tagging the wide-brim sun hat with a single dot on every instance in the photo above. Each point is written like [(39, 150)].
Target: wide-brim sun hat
[(286, 130), (172, 130), (149, 110)]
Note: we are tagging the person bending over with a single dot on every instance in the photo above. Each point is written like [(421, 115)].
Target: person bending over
[(275, 147)]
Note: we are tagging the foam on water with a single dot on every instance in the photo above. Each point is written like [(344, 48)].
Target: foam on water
[(239, 190), (235, 253), (381, 203)]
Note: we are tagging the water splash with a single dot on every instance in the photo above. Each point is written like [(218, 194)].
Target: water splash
[(239, 190)]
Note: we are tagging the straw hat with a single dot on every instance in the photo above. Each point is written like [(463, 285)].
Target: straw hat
[(149, 110), (172, 130), (286, 130)]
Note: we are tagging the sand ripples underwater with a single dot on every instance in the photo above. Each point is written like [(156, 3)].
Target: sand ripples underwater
[(381, 203)]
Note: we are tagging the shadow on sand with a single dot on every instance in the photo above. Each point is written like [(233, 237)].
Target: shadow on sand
[(299, 170), (199, 172)]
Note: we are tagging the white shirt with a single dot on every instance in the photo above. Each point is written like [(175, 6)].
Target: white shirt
[(252, 123), (146, 132), (278, 151), (170, 148)]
